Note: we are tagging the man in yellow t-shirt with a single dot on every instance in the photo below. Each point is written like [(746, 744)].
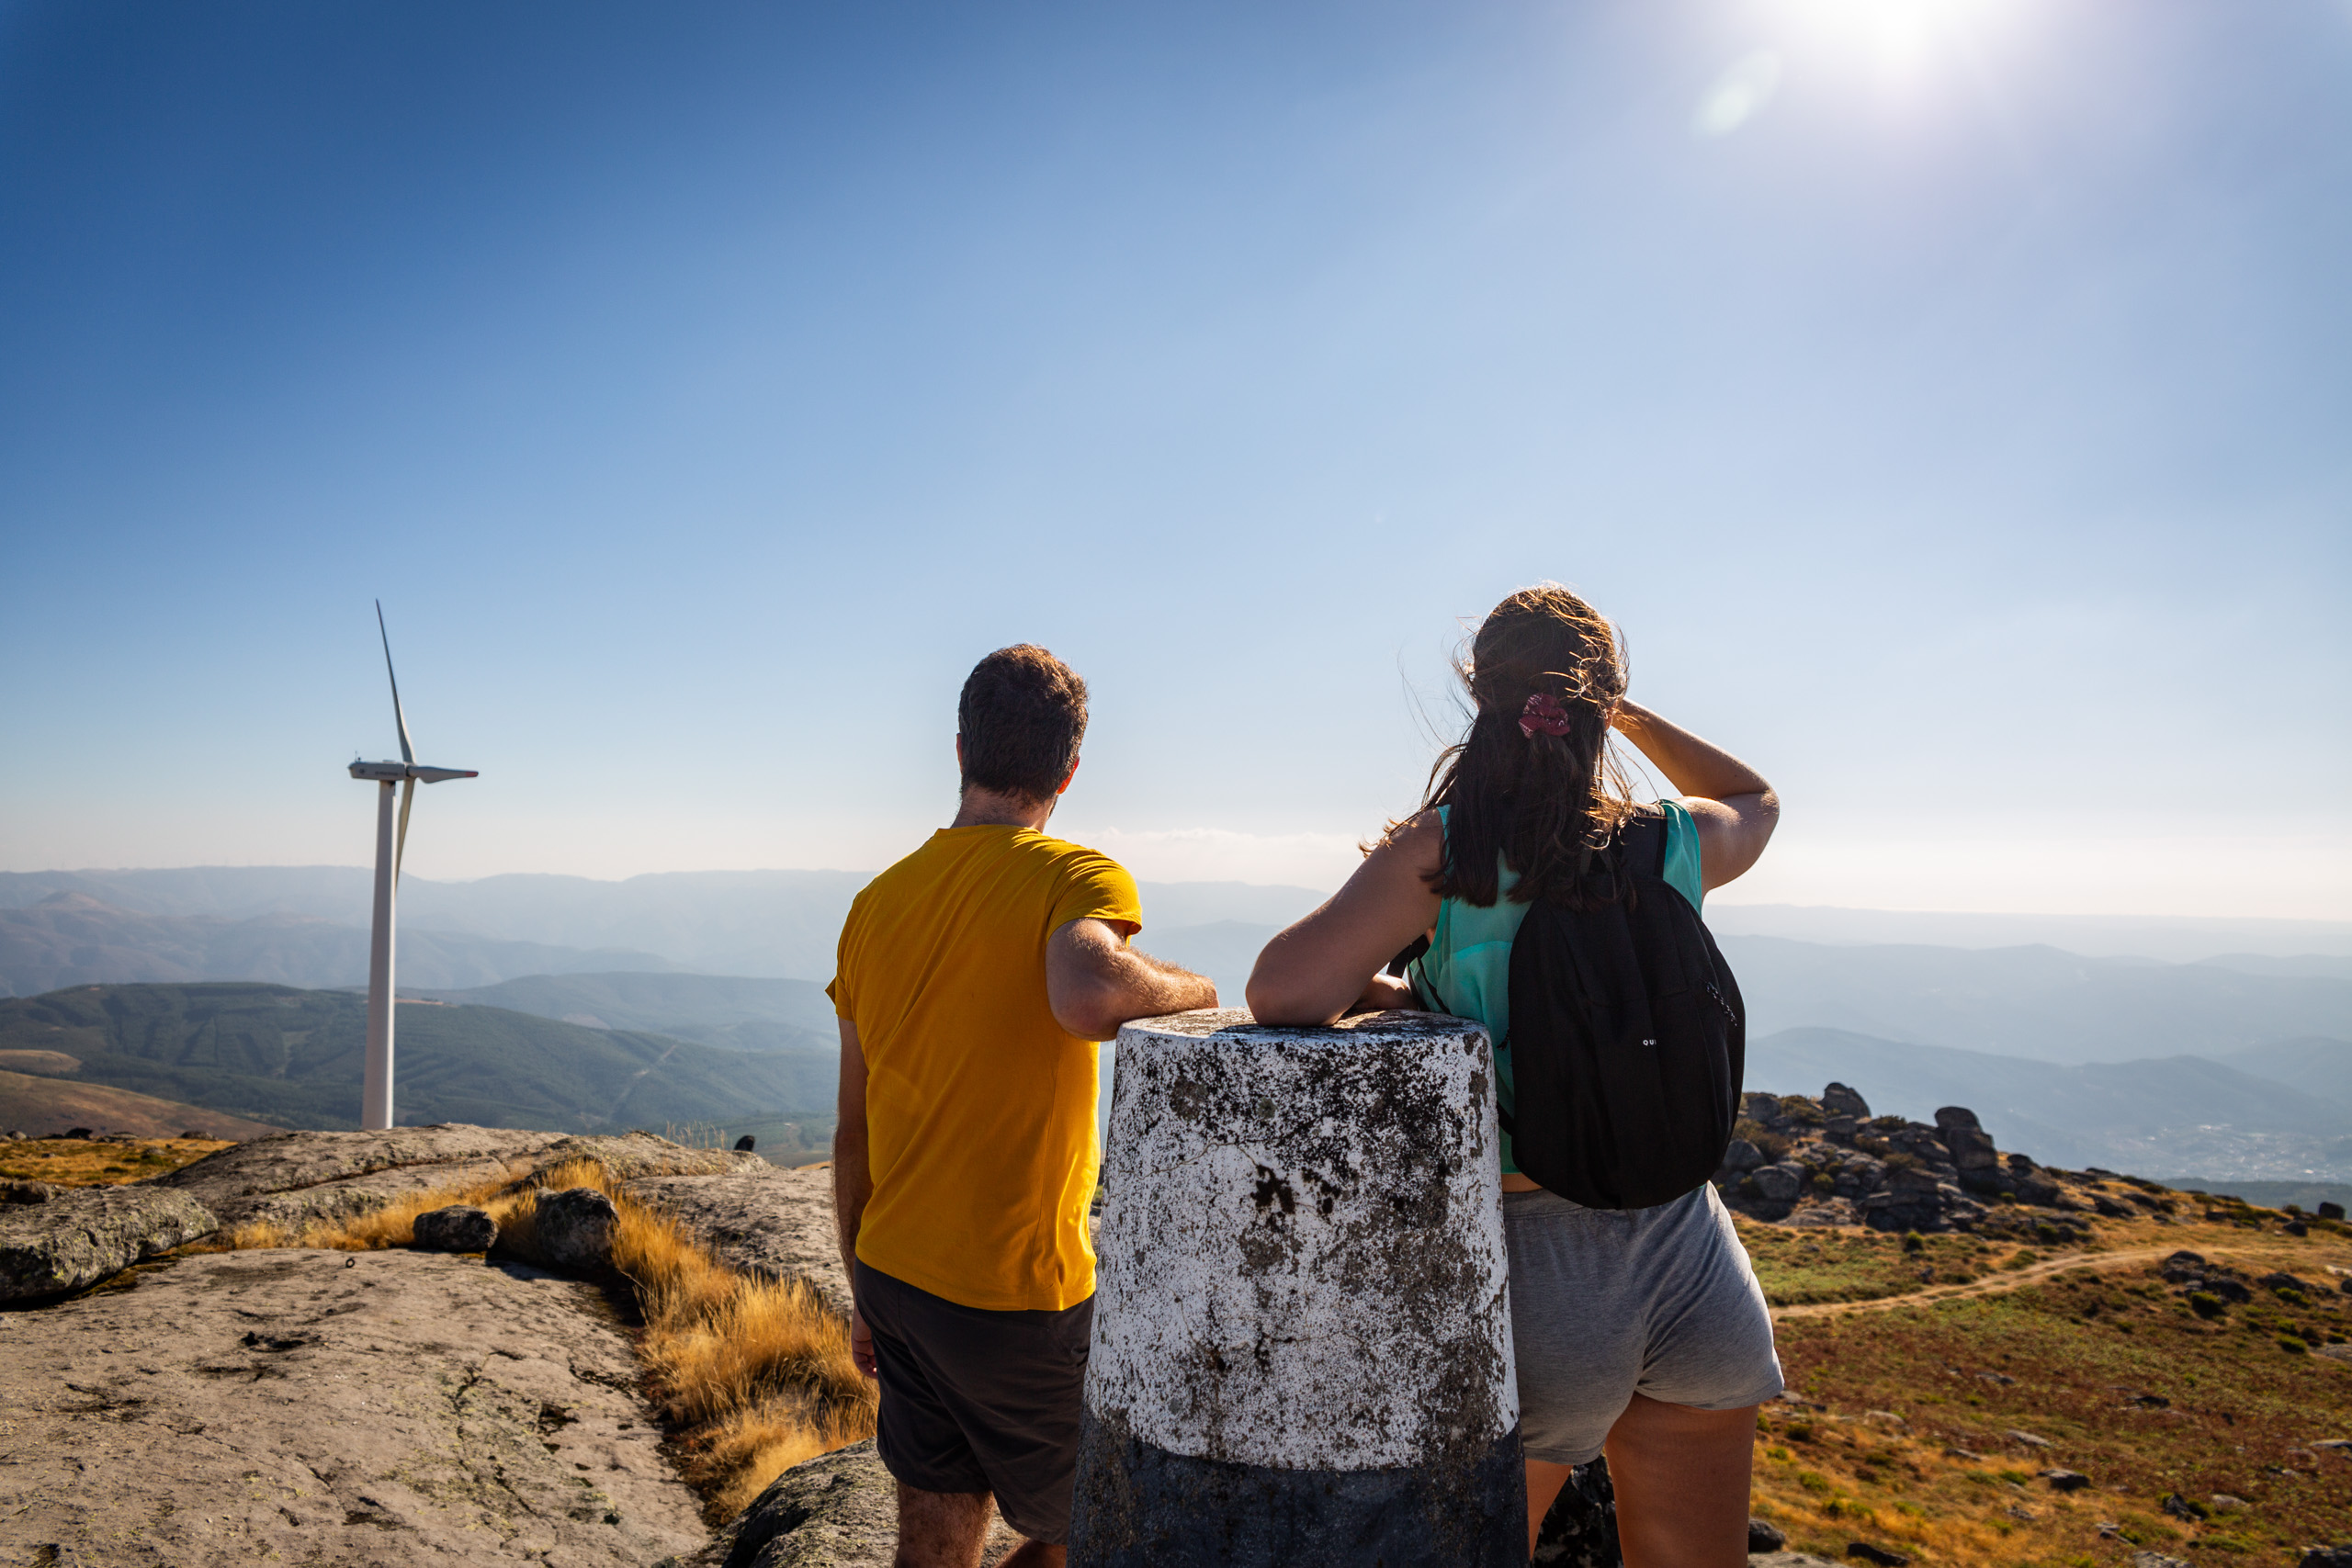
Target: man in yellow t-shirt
[(973, 980)]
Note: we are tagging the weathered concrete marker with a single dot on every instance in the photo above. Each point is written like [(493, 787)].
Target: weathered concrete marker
[(1302, 1335)]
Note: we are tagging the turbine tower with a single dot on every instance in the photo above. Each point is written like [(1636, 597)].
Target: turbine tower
[(375, 1097)]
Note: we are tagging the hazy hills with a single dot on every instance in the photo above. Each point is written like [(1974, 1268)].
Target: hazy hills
[(2162, 1117), (735, 1013), (2031, 1001), (2073, 1028), (72, 938), (292, 1057), (306, 925)]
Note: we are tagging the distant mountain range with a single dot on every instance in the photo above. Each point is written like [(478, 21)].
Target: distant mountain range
[(72, 938), (2031, 1001), (2166, 1117), (725, 1010), (2086, 1055), (306, 925), (291, 1058)]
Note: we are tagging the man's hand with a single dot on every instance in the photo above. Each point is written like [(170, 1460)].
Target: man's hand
[(1095, 982), (860, 1345)]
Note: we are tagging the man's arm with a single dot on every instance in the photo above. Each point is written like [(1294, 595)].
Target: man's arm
[(853, 1182), (1095, 982)]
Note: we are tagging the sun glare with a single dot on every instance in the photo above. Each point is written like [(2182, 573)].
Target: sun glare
[(1897, 37), (1896, 49)]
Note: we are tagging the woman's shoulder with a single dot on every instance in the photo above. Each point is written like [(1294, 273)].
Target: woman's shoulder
[(1417, 840)]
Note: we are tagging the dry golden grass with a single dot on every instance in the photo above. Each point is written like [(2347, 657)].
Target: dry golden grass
[(737, 1456), (756, 1374), (1907, 1443), (82, 1162)]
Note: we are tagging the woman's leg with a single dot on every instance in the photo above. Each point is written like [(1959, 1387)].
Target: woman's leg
[(1543, 1483), (1682, 1478)]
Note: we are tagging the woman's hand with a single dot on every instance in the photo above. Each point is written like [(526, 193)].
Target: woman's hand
[(1311, 973), (1733, 808)]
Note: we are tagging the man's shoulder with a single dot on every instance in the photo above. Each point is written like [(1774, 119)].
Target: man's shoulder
[(1062, 851)]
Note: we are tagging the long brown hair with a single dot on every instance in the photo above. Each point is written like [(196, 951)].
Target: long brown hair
[(1547, 804)]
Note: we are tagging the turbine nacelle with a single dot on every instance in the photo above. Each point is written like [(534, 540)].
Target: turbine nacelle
[(392, 772)]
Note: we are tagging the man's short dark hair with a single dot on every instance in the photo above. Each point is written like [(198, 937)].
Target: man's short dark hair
[(1020, 718)]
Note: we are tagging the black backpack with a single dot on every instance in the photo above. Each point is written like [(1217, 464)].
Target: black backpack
[(1627, 1037)]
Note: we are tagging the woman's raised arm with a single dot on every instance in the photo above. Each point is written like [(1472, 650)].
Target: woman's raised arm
[(1323, 964), (1733, 808)]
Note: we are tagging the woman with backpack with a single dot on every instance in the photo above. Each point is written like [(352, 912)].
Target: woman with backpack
[(1640, 1328)]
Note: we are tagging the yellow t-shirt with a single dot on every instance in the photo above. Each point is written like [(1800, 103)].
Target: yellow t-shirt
[(979, 1107)]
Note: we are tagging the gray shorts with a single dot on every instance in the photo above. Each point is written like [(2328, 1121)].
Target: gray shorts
[(980, 1401), (1606, 1304)]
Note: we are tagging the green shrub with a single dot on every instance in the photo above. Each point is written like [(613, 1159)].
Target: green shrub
[(2293, 1346), (1812, 1481), (2205, 1304), (1824, 1182), (1914, 1242)]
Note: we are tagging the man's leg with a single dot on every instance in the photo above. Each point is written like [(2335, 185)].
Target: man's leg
[(940, 1529), (1682, 1477)]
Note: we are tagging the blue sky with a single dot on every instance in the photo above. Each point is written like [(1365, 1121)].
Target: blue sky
[(1952, 399)]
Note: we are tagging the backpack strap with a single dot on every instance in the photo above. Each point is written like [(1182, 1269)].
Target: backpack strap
[(1636, 838)]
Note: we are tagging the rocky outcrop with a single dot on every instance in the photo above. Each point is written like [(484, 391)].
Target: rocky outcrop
[(80, 1237), (1802, 1161), (759, 1220), (313, 1406), (629, 1155), (296, 1177)]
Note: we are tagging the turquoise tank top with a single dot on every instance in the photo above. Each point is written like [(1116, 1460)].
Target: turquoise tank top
[(1466, 971)]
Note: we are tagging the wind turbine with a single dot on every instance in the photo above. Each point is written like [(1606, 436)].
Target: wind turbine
[(375, 1097)]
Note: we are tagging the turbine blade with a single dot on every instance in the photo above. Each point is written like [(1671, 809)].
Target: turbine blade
[(399, 717), (400, 841)]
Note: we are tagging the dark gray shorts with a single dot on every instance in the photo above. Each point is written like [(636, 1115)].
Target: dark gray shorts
[(979, 1401), (1606, 1304)]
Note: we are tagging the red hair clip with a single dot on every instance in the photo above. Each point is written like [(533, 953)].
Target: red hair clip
[(1543, 712)]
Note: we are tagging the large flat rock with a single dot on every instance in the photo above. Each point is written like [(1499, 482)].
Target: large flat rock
[(776, 1224), (295, 1177), (235, 1182), (304, 1407), (358, 1195), (81, 1235), (632, 1155)]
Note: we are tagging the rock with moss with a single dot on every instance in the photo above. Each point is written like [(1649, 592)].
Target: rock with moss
[(295, 1177), (80, 1237)]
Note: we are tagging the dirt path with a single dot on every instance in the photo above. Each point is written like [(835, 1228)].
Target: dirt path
[(1991, 1284)]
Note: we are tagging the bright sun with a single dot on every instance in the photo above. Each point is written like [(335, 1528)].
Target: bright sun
[(1898, 35), (1897, 45)]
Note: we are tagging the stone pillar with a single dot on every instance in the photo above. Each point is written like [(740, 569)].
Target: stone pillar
[(1302, 1348)]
